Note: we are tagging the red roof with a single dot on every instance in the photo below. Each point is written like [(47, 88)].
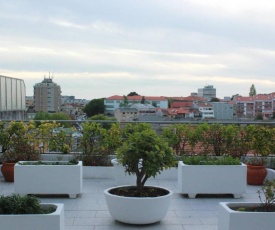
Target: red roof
[(181, 104)]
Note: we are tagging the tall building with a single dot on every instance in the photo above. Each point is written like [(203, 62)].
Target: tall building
[(208, 92), (47, 96), (12, 98)]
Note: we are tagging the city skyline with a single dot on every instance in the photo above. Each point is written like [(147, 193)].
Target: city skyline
[(156, 48)]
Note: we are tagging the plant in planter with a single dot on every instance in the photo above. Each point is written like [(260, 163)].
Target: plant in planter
[(211, 175), (21, 146), (144, 154), (14, 208), (92, 145), (261, 145), (61, 140), (251, 216)]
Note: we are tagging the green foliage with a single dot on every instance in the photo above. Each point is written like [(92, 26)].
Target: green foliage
[(213, 138), (133, 94), (94, 107), (71, 162), (179, 137), (101, 117), (208, 160), (214, 99), (259, 116), (21, 141), (61, 140), (92, 145), (112, 139), (144, 153), (268, 191), (143, 100), (16, 204), (252, 91), (43, 116)]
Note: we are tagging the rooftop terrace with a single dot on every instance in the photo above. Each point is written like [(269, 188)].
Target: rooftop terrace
[(89, 210)]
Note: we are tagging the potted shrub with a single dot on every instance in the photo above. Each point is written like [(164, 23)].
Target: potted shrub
[(262, 145), (26, 212), (211, 175), (21, 146), (144, 154), (253, 216)]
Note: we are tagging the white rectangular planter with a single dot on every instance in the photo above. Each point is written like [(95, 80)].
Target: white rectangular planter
[(48, 179), (211, 179), (52, 221), (239, 220)]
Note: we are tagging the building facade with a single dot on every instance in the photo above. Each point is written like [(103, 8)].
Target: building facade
[(223, 110), (47, 96), (208, 92), (12, 98), (114, 102)]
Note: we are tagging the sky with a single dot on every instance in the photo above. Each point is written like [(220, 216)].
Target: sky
[(100, 48)]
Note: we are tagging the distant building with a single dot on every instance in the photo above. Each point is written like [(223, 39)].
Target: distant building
[(12, 98), (47, 96), (223, 110), (114, 102), (206, 109), (126, 114), (208, 92)]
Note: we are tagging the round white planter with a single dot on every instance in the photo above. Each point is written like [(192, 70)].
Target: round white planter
[(138, 210)]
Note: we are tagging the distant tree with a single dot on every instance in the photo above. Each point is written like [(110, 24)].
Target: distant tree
[(94, 107), (259, 117), (133, 94), (214, 99), (102, 117), (252, 91), (154, 104), (143, 100), (43, 116), (234, 96)]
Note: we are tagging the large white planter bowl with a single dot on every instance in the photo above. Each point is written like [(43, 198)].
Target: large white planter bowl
[(137, 210), (48, 179), (212, 179), (239, 220), (52, 221)]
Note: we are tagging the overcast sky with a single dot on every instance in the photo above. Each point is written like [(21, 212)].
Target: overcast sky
[(100, 48)]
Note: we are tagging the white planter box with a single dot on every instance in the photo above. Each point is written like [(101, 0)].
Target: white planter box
[(137, 210), (238, 220), (98, 172), (270, 174), (52, 221), (123, 178), (212, 179), (48, 179)]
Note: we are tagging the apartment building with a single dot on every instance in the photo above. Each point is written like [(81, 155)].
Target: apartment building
[(206, 109), (114, 102), (208, 92), (249, 107), (12, 98), (47, 96), (223, 110)]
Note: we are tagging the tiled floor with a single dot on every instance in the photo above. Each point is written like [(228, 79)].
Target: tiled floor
[(89, 211)]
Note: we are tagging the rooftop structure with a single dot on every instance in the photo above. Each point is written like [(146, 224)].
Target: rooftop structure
[(12, 98), (89, 210)]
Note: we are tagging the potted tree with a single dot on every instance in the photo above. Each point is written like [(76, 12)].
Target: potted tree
[(253, 216), (26, 212), (262, 144), (144, 154), (20, 147)]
